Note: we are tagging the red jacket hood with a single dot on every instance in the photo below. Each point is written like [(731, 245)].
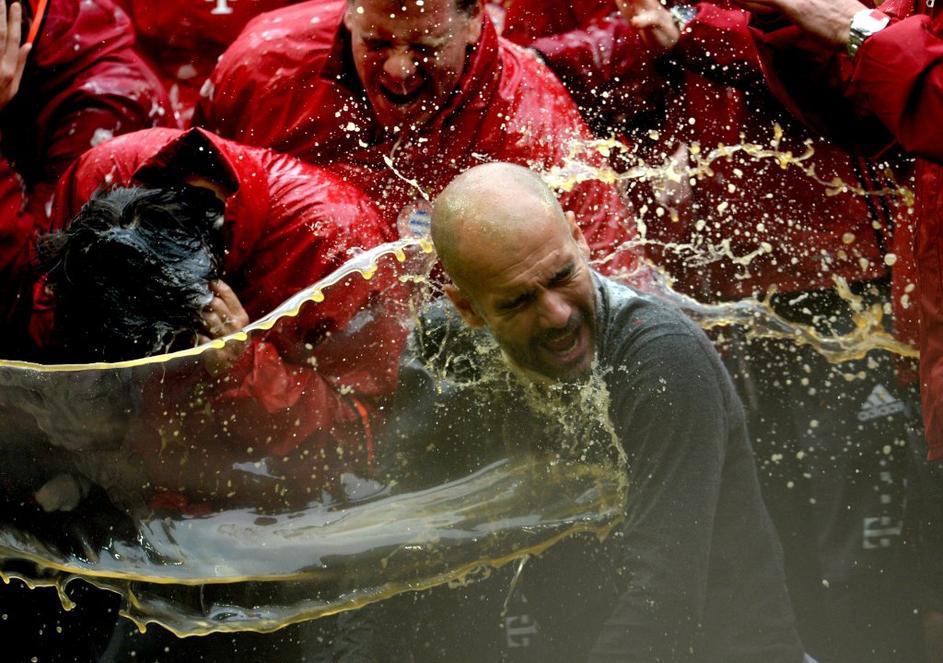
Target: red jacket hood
[(155, 156), (246, 175)]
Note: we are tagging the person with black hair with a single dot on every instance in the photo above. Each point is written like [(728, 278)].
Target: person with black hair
[(199, 237), (134, 271)]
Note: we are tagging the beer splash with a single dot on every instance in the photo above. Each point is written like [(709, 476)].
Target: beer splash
[(575, 170), (756, 316), (250, 546), (261, 566), (758, 319), (237, 570)]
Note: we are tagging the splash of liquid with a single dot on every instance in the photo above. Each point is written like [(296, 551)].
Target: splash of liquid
[(238, 570), (261, 568)]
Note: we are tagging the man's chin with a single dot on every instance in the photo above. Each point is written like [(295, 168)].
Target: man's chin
[(546, 372), (575, 373)]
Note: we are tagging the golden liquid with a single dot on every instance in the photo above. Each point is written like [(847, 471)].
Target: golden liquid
[(274, 550)]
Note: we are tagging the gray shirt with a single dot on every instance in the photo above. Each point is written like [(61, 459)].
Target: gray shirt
[(694, 572)]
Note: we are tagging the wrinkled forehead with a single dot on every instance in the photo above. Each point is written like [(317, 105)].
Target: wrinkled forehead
[(405, 19), (509, 260)]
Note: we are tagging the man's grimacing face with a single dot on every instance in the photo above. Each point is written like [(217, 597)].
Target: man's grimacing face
[(410, 54), (537, 299)]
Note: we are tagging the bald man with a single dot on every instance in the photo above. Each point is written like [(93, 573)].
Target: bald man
[(694, 572)]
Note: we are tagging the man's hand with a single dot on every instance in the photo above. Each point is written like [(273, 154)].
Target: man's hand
[(221, 317), (13, 56), (829, 20), (653, 21)]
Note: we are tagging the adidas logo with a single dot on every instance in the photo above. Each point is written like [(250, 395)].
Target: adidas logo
[(880, 404)]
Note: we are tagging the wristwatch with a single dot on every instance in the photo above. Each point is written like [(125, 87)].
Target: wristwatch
[(682, 15), (864, 24)]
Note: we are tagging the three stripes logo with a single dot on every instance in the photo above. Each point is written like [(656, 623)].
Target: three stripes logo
[(880, 404)]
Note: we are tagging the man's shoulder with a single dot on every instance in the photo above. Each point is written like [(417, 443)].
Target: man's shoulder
[(317, 198), (626, 306), (634, 324)]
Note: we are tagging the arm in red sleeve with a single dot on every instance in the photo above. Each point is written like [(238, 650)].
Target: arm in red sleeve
[(284, 388), (898, 75), (320, 371), (720, 44), (771, 57)]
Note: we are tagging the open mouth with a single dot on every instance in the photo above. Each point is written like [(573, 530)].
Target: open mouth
[(563, 344), (567, 347), (401, 98)]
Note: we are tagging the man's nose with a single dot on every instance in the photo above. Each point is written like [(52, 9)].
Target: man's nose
[(399, 65), (555, 311)]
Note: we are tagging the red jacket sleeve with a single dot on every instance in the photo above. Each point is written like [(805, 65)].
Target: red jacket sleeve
[(319, 371), (898, 75), (16, 233)]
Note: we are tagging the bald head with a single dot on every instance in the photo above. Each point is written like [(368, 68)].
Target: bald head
[(488, 207), (519, 267)]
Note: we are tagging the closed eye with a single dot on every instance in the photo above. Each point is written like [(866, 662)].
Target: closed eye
[(514, 304), (376, 44), (563, 276)]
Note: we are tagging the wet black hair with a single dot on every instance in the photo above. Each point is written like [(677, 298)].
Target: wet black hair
[(131, 273)]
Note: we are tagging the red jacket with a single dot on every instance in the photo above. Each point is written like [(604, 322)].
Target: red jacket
[(182, 39), (288, 83), (287, 225), (891, 90), (797, 234), (83, 83), (897, 75)]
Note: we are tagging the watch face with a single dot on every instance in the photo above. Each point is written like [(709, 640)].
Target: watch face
[(869, 22)]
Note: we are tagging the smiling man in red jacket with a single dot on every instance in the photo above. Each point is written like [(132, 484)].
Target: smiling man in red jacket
[(398, 97)]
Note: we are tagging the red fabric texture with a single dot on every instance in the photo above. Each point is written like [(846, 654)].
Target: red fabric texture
[(288, 83), (182, 39), (83, 83), (890, 92), (287, 225), (898, 75), (716, 97)]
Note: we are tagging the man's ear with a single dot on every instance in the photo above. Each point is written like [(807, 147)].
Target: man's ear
[(347, 16), (464, 306), (577, 235), (475, 24)]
